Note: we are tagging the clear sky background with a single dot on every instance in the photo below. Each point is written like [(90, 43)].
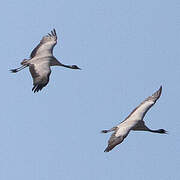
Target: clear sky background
[(127, 49)]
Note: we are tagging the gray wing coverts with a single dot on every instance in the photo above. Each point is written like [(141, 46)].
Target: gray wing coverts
[(44, 39), (113, 141)]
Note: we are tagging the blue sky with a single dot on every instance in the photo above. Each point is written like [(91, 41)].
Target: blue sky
[(127, 49)]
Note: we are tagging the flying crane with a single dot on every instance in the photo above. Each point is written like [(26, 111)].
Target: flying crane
[(133, 122), (41, 59)]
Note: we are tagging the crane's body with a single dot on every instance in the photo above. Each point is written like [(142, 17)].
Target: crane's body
[(40, 61), (133, 122)]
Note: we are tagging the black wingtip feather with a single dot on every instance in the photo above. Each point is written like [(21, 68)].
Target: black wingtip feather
[(37, 88), (54, 32), (158, 93), (107, 149), (160, 89)]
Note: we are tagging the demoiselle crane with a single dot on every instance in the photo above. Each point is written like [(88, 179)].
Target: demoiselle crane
[(133, 122), (41, 59)]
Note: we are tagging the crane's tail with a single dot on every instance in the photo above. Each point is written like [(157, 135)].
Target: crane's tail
[(18, 69), (109, 130), (104, 131)]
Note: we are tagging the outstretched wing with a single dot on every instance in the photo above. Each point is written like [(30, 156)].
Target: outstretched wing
[(46, 45), (139, 112), (40, 73), (114, 140)]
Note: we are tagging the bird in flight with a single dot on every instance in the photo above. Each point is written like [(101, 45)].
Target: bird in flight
[(41, 59), (133, 122)]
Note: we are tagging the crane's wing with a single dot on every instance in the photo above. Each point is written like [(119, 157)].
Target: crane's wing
[(46, 45), (40, 73), (114, 140), (139, 112)]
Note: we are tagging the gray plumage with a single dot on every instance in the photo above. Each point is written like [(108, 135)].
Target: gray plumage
[(40, 61), (133, 122)]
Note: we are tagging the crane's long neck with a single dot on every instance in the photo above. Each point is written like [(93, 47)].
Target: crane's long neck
[(162, 131), (55, 62), (66, 66)]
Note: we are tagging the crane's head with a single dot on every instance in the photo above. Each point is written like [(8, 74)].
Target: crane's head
[(75, 67), (162, 131)]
